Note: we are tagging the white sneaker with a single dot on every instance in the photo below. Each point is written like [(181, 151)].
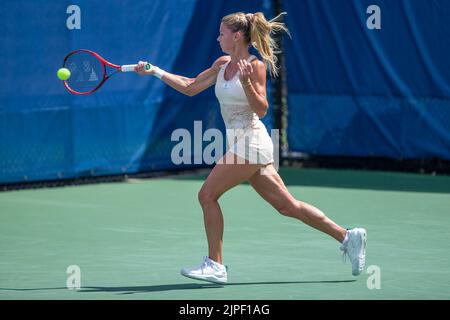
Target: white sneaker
[(355, 248), (208, 270)]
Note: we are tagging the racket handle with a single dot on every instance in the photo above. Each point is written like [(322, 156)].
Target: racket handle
[(130, 67)]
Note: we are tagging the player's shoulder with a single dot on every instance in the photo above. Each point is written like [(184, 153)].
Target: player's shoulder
[(221, 61), (256, 63)]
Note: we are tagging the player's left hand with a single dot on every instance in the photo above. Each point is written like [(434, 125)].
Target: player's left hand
[(245, 70)]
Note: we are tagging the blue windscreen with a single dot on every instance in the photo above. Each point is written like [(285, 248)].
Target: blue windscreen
[(369, 78), (126, 126)]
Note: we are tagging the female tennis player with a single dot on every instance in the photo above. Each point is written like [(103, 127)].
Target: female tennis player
[(240, 86)]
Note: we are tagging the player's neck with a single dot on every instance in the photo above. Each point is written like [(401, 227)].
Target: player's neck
[(238, 54)]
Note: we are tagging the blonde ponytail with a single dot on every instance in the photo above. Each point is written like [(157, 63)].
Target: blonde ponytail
[(258, 32)]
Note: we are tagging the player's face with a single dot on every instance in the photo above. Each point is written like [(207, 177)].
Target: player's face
[(226, 39)]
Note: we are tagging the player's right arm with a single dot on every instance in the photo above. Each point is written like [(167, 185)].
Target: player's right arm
[(188, 86)]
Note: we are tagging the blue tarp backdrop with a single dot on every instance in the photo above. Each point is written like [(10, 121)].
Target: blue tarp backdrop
[(352, 90), (126, 126), (358, 91)]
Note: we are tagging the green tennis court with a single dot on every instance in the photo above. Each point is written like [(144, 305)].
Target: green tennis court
[(131, 239)]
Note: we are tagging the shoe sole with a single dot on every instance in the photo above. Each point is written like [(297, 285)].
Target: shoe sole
[(363, 244), (207, 279)]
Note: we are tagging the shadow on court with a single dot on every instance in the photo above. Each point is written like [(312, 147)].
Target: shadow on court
[(170, 287), (356, 179)]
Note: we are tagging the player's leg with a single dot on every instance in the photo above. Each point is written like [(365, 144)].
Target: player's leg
[(271, 187), (227, 173)]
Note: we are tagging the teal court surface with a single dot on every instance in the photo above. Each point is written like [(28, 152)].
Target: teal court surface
[(130, 240)]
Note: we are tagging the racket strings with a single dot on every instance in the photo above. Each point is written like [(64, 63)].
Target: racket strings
[(87, 72)]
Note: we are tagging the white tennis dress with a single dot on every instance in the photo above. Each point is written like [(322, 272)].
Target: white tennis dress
[(247, 136)]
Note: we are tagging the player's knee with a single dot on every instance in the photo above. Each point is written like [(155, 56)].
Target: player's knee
[(205, 196)]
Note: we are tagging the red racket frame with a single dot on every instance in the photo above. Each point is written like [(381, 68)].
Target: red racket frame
[(104, 64)]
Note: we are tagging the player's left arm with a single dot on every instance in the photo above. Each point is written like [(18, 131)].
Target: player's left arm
[(253, 79)]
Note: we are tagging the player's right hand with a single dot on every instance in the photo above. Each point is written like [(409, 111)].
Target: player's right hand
[(140, 68)]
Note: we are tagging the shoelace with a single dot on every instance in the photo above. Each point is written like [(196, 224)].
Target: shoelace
[(205, 263), (208, 263), (344, 253)]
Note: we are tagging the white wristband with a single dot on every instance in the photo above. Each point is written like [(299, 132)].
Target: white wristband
[(159, 73)]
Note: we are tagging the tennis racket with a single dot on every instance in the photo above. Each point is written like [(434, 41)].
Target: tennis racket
[(88, 71)]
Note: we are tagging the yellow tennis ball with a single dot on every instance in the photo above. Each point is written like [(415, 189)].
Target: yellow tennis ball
[(63, 74)]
